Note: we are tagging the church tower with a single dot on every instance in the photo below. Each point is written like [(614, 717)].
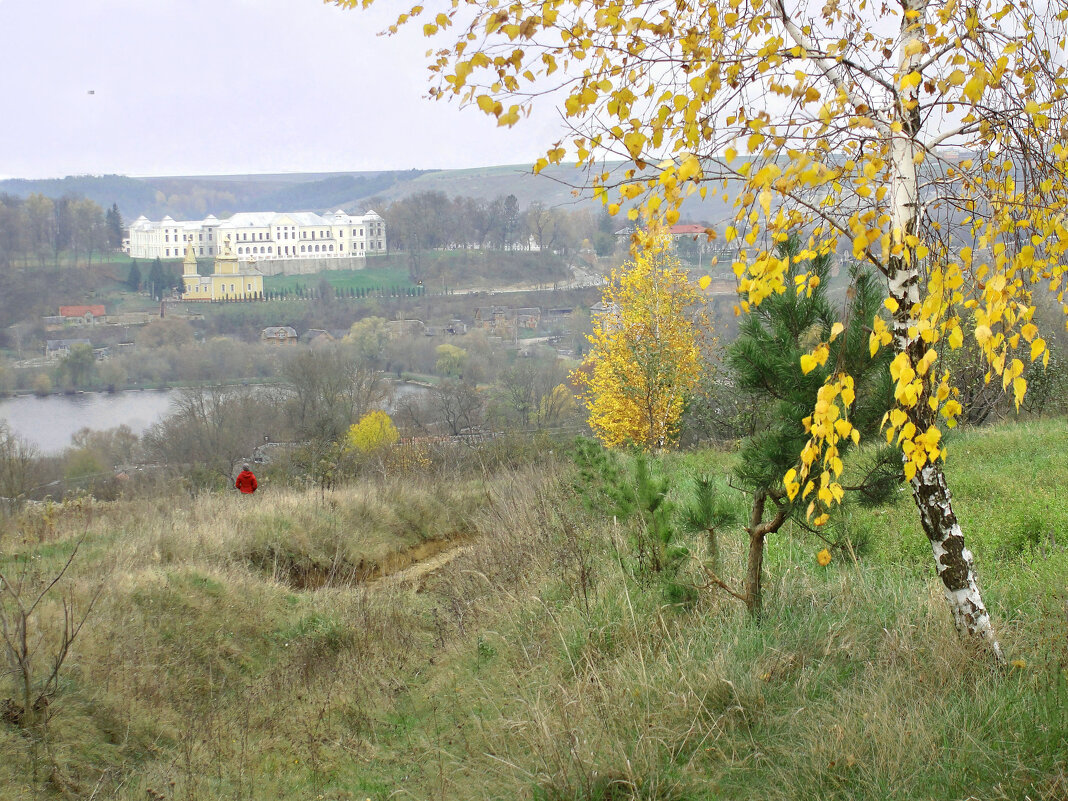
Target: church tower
[(189, 265), (225, 260)]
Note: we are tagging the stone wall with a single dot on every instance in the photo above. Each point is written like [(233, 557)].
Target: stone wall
[(309, 266)]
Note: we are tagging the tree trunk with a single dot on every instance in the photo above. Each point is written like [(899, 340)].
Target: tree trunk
[(758, 532), (953, 561), (753, 573)]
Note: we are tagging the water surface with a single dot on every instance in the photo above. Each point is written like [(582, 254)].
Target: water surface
[(50, 421)]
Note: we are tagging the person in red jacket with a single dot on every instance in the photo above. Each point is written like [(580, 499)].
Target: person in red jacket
[(246, 482)]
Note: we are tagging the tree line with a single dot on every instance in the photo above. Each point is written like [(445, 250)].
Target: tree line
[(434, 221), (42, 231)]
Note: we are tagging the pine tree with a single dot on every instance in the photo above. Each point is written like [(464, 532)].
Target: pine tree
[(114, 225), (766, 361), (133, 280)]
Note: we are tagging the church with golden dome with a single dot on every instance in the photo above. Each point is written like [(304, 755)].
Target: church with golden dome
[(231, 280)]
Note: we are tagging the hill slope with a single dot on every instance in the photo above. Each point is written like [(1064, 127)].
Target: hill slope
[(242, 647), (194, 197)]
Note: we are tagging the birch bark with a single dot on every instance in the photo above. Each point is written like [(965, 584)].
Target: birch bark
[(953, 561)]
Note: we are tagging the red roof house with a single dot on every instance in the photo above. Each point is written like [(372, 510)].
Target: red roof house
[(687, 230), (83, 314)]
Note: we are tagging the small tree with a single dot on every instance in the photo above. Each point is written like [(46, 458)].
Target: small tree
[(114, 224), (78, 366), (766, 361), (451, 361), (133, 280), (36, 648), (645, 352), (18, 468), (374, 431)]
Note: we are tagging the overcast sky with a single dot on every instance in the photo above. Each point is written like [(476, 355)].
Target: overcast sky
[(181, 87)]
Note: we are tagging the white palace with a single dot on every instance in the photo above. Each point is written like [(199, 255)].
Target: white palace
[(261, 236)]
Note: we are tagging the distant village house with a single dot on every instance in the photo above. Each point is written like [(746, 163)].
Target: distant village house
[(60, 348), (279, 335), (83, 315), (503, 321)]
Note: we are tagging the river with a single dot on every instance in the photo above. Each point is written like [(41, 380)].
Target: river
[(50, 421)]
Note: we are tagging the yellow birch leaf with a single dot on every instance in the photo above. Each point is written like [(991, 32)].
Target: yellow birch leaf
[(765, 202), (910, 470)]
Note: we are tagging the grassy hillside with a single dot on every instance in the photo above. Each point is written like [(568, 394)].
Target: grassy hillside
[(250, 648)]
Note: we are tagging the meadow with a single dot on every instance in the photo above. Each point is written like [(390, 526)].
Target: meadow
[(253, 648)]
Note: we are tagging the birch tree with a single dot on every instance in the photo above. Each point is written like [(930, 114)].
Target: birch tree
[(925, 138)]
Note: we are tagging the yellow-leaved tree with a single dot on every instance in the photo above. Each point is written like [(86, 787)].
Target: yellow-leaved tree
[(645, 354), (927, 139), (373, 431)]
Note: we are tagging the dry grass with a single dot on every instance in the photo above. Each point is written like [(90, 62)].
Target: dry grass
[(537, 664)]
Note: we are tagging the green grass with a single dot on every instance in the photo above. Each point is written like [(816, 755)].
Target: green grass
[(544, 663), (370, 278)]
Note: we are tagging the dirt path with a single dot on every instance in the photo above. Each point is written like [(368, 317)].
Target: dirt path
[(419, 570)]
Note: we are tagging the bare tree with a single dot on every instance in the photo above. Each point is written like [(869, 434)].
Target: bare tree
[(459, 406), (214, 427), (331, 390), (18, 468), (34, 651)]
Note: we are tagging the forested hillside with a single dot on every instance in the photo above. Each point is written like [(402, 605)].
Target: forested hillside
[(194, 197)]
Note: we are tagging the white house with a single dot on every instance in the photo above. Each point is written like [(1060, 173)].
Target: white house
[(262, 235)]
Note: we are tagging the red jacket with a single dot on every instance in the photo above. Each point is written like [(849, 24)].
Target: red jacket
[(246, 482)]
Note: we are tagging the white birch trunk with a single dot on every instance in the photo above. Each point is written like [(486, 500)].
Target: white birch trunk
[(953, 561)]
